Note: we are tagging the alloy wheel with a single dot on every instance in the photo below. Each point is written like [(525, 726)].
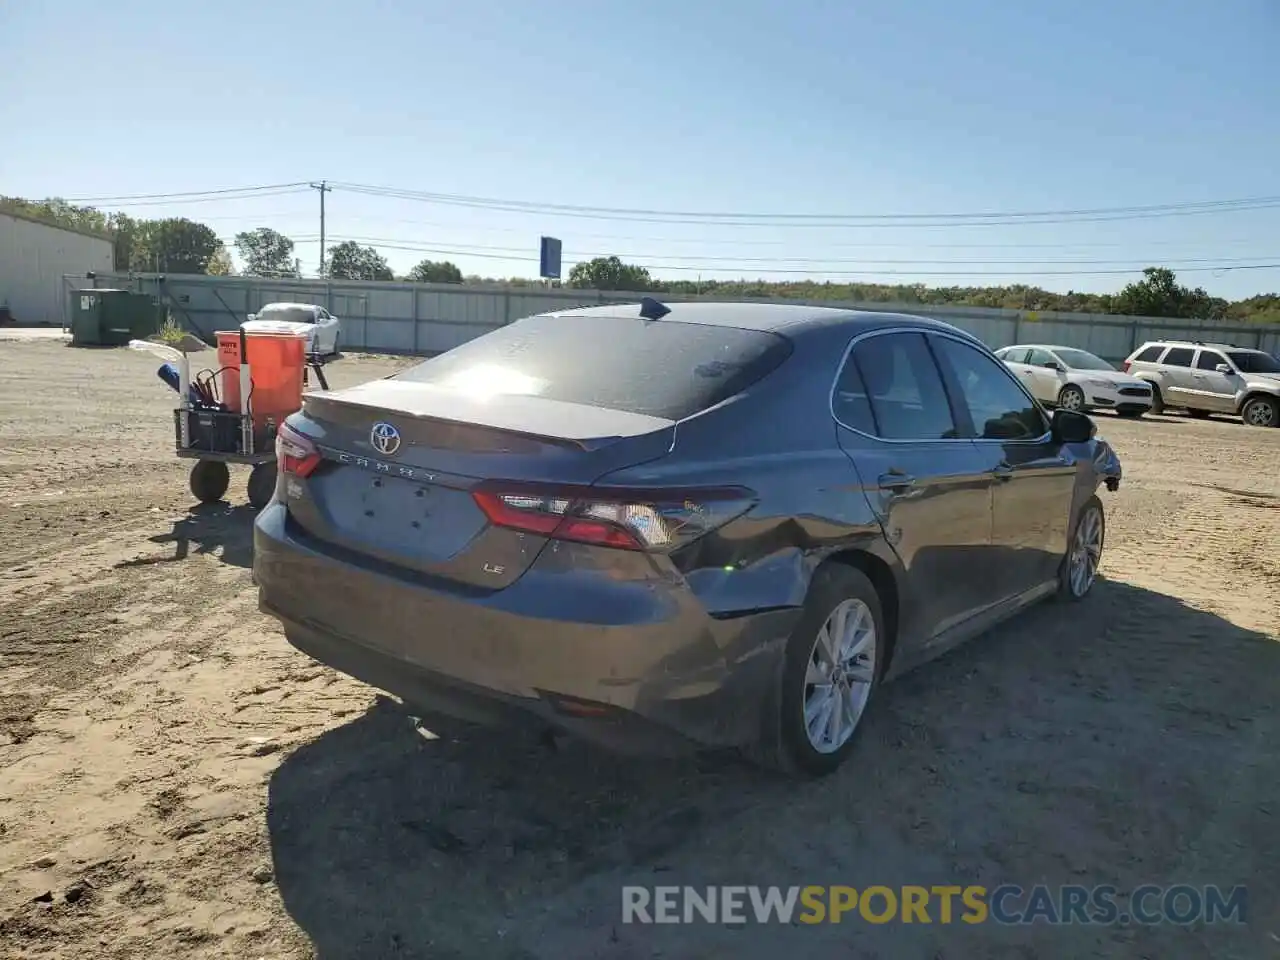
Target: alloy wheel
[(1071, 399), (842, 667), (1259, 413), (1086, 552)]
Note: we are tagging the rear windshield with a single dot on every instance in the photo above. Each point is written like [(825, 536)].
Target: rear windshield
[(1083, 360), (670, 370), (1254, 361), (288, 314)]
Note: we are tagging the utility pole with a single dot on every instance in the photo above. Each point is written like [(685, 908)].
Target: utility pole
[(323, 187)]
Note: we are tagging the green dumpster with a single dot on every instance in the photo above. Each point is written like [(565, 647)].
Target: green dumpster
[(86, 317), (107, 317), (128, 316)]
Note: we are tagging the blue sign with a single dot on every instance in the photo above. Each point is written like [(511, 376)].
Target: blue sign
[(549, 258)]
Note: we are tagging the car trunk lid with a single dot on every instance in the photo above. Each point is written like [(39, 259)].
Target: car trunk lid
[(400, 460)]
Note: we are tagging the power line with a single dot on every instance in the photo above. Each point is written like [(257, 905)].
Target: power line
[(883, 274), (729, 241), (170, 203), (1182, 207), (224, 192), (1082, 215), (757, 242), (539, 206), (705, 218), (501, 252)]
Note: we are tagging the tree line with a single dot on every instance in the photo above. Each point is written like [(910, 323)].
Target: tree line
[(1157, 294), (179, 245)]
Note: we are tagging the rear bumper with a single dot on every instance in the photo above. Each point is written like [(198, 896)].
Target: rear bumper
[(651, 671)]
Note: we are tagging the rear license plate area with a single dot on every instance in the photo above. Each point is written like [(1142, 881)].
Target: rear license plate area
[(394, 512), (399, 517)]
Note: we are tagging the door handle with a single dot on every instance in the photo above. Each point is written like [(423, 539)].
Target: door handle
[(894, 480), (1003, 471)]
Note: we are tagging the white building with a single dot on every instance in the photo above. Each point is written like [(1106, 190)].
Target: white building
[(34, 258)]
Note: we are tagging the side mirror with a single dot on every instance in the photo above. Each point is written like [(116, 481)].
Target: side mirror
[(1223, 368), (1053, 365), (1071, 426)]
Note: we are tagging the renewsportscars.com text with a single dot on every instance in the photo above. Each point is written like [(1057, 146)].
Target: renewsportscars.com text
[(1007, 904)]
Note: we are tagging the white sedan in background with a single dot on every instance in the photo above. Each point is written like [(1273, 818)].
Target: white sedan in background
[(1076, 379), (320, 327)]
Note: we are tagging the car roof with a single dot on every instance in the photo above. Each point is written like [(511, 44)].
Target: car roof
[(1044, 346), (1193, 344), (772, 317), (289, 305)]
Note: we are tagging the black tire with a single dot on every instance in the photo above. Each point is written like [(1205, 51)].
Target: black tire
[(1064, 569), (1071, 397), (262, 484), (1255, 409), (784, 744), (1157, 401), (209, 480), (1198, 414)]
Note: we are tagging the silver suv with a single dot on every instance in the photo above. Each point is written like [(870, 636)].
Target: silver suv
[(1205, 378)]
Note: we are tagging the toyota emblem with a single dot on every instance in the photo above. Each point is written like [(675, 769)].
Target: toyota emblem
[(385, 438)]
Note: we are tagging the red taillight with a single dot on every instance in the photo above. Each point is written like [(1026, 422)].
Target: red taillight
[(659, 520), (1125, 366), (295, 452)]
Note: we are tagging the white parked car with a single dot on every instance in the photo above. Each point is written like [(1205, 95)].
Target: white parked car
[(320, 326), (1076, 379)]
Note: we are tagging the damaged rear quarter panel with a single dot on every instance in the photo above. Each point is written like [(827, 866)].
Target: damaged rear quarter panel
[(778, 440)]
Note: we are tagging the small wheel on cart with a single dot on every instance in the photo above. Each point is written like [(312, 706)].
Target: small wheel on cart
[(209, 480), (262, 484)]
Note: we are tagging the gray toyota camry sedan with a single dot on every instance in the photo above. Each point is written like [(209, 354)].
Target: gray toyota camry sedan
[(687, 525)]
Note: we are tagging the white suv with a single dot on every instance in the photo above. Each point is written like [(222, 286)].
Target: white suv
[(1205, 378)]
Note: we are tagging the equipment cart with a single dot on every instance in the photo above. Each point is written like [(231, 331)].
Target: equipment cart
[(231, 415)]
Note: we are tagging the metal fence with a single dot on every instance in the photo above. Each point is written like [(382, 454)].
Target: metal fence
[(425, 319)]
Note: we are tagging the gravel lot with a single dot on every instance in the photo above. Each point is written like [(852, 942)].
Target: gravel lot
[(175, 781)]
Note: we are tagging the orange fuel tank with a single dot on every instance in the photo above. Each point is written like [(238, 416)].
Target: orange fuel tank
[(277, 365)]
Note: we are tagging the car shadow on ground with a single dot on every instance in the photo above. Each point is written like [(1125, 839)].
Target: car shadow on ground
[(217, 529), (1178, 417), (1128, 739)]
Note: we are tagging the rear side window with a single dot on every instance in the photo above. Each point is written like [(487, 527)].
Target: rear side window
[(1149, 354), (904, 388), (1255, 361), (1179, 357), (651, 367), (851, 404), (1013, 354)]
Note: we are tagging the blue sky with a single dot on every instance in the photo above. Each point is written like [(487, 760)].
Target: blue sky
[(876, 107)]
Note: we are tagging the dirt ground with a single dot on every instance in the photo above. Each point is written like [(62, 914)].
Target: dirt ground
[(175, 781)]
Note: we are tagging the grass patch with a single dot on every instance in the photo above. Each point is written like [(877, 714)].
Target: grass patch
[(170, 333)]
